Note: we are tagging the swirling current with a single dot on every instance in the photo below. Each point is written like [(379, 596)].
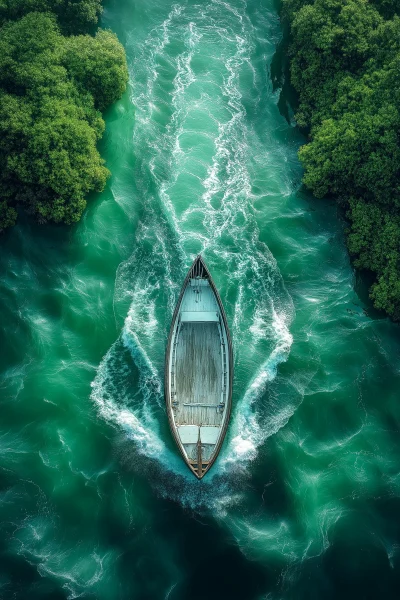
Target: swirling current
[(95, 500)]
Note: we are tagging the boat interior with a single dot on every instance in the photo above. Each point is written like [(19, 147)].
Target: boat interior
[(199, 373)]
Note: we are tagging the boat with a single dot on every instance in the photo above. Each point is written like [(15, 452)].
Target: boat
[(199, 371)]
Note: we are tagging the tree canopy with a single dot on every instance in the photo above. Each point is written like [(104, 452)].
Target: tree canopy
[(74, 16), (52, 87), (345, 60)]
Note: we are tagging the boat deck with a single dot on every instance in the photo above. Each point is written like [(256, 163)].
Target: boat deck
[(199, 297), (198, 374)]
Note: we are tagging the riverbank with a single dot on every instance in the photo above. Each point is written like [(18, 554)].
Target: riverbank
[(343, 64), (54, 84)]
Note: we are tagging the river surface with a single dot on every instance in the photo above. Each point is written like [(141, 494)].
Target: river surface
[(95, 501)]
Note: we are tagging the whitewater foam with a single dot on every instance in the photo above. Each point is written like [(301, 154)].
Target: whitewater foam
[(170, 234)]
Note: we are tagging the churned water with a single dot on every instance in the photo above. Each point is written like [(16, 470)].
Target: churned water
[(95, 500)]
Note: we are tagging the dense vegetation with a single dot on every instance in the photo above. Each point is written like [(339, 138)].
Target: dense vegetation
[(345, 66), (53, 86)]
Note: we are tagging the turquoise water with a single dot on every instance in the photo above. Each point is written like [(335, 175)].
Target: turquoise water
[(95, 500)]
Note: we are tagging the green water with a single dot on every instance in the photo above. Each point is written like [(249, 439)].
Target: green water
[(95, 501)]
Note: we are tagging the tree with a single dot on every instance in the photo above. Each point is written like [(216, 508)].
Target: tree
[(97, 65), (8, 216), (345, 60), (75, 16), (49, 121), (388, 8)]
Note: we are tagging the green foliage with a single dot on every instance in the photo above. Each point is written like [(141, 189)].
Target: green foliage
[(98, 65), (387, 8), (345, 60), (374, 241), (49, 114), (8, 215), (75, 16)]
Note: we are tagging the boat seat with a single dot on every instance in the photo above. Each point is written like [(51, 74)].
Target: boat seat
[(202, 404), (199, 317), (209, 435), (189, 434)]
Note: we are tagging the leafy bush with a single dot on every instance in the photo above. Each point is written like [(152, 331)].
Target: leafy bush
[(97, 65), (345, 60), (75, 16), (49, 112)]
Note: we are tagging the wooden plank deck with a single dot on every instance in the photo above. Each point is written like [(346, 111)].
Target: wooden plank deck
[(198, 374)]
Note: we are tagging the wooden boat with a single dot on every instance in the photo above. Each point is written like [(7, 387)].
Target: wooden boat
[(199, 371)]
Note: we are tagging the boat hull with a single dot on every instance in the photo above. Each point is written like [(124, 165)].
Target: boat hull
[(199, 371)]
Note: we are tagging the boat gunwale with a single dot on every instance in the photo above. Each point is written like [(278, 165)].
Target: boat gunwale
[(167, 394)]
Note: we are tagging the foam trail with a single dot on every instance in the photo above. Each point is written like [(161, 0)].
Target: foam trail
[(248, 433), (196, 156)]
